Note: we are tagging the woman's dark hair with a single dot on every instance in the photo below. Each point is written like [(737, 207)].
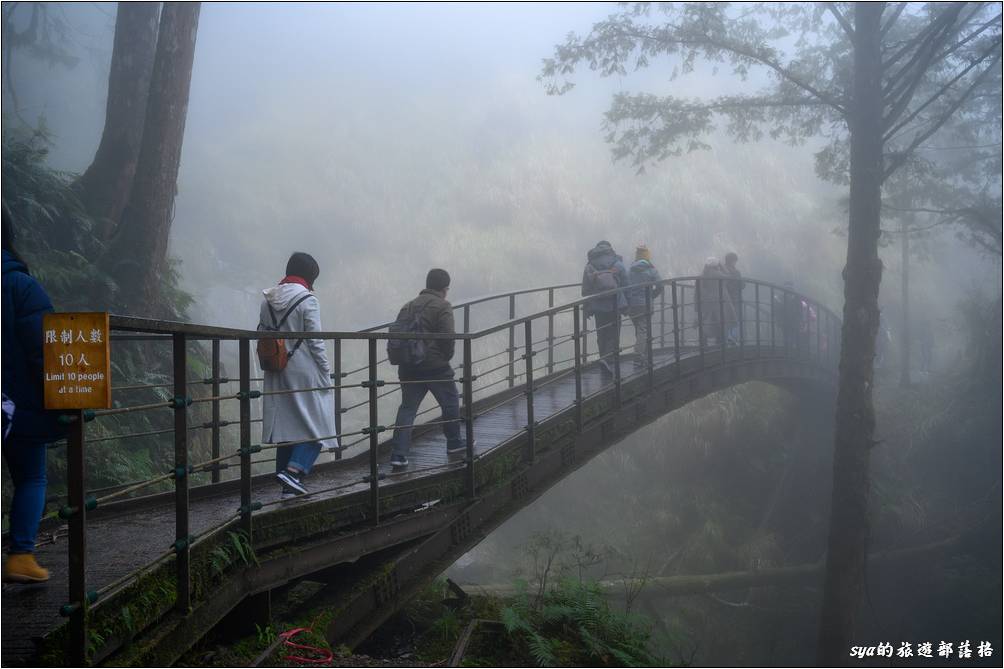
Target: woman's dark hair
[(303, 265), (437, 279)]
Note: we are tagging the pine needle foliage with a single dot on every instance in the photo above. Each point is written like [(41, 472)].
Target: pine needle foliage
[(57, 238)]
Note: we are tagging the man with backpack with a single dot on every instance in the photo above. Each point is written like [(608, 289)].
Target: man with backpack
[(302, 420), (642, 271), (605, 271), (424, 366)]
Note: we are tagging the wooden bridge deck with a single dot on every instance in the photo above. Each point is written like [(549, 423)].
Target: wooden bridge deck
[(121, 543)]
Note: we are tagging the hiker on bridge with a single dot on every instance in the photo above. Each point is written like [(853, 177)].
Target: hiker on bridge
[(301, 419), (605, 271), (424, 366), (715, 302), (788, 315), (734, 290), (642, 271), (28, 427)]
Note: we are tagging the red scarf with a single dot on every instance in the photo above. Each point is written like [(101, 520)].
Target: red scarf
[(292, 278)]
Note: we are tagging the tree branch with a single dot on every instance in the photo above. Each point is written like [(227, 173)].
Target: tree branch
[(920, 38), (841, 19), (892, 19), (941, 91), (703, 39), (901, 157), (918, 64)]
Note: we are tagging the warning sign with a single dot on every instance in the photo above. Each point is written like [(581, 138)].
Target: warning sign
[(77, 364)]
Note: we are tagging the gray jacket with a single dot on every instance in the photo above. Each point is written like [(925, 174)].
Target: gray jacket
[(602, 258), (297, 416), (642, 271)]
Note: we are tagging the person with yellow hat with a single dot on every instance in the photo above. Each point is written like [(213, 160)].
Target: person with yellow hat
[(642, 272)]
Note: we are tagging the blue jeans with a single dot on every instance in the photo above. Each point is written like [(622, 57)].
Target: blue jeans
[(412, 394), (26, 462), (300, 457)]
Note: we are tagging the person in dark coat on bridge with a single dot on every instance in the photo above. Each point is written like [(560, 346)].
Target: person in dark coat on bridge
[(639, 308), (29, 427), (734, 291), (604, 272), (433, 374)]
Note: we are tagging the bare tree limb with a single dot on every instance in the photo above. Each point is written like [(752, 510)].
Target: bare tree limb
[(901, 157), (941, 91), (892, 19), (841, 19)]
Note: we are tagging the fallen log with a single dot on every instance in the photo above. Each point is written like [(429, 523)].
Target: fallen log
[(737, 580)]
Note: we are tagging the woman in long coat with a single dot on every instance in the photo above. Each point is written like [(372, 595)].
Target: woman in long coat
[(305, 420)]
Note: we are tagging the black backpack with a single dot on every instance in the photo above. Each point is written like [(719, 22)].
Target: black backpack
[(407, 352)]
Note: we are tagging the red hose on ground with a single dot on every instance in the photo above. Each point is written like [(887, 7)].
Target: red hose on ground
[(326, 655)]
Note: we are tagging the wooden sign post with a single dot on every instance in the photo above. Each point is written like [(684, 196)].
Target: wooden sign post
[(77, 364), (77, 377)]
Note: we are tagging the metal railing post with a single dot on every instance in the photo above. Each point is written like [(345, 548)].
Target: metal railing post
[(245, 419), (662, 318), (819, 322), (578, 368), (215, 473), (181, 529), (469, 416), (616, 325), (676, 329), (741, 315), (649, 355), (723, 337), (467, 318), (374, 440), (77, 638), (756, 313), (585, 336), (550, 332), (773, 323), (528, 358), (337, 395), (700, 321), (512, 342)]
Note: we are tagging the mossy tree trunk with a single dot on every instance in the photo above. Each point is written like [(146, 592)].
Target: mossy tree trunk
[(855, 413), (138, 255), (106, 184)]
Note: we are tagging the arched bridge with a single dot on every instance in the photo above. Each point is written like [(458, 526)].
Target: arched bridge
[(141, 570)]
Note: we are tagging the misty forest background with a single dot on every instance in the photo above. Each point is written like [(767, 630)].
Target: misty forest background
[(387, 140)]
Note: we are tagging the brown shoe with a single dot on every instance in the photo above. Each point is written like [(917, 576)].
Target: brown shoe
[(22, 568)]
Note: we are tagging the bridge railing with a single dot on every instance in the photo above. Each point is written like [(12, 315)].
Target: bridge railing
[(509, 361)]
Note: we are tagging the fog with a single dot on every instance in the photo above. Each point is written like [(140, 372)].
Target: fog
[(389, 139)]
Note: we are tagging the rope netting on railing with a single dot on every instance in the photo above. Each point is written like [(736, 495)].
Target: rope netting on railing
[(514, 358)]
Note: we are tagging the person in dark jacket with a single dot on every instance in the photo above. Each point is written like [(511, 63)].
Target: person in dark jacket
[(434, 374), (31, 427), (642, 271), (734, 290), (605, 271)]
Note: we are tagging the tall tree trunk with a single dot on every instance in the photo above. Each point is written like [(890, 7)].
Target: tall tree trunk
[(904, 354), (106, 184), (138, 256), (855, 414)]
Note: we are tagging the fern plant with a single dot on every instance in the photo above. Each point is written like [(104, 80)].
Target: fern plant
[(572, 625)]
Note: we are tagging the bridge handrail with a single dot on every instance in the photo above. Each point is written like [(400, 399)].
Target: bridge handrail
[(196, 331), (181, 333)]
